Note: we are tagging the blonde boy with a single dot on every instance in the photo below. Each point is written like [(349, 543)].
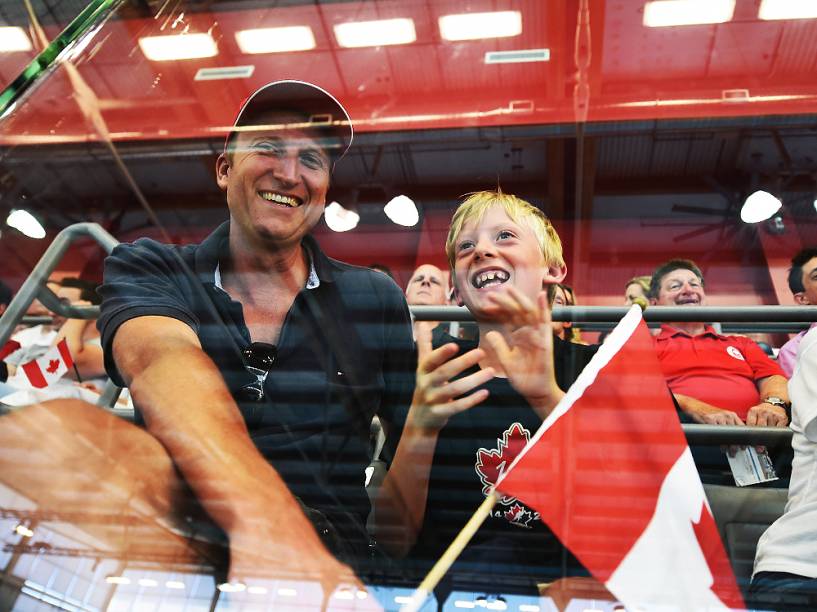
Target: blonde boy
[(475, 401)]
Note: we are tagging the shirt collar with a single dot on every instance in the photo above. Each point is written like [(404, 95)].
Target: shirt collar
[(216, 248), (667, 331)]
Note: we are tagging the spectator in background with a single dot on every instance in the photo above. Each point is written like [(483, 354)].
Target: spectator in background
[(716, 379), (382, 268), (638, 287), (785, 572), (560, 294), (427, 287), (803, 286)]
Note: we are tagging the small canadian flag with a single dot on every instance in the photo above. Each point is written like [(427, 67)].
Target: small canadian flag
[(49, 368)]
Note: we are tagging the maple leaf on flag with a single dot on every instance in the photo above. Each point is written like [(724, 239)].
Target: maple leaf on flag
[(53, 364), (491, 463)]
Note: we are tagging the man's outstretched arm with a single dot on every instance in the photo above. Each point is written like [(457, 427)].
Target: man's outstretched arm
[(188, 408)]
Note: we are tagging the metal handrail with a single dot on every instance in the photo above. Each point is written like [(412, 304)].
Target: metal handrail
[(613, 314), (714, 435), (35, 284)]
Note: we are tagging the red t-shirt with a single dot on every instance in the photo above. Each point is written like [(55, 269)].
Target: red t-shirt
[(719, 370)]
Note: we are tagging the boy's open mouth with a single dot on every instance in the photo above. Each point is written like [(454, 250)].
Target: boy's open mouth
[(488, 278), (280, 199)]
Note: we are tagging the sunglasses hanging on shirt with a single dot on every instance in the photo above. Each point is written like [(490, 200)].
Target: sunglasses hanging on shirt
[(259, 357)]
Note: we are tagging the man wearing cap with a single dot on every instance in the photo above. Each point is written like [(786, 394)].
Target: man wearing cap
[(256, 361)]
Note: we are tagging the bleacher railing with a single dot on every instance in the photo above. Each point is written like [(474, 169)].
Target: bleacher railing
[(735, 319)]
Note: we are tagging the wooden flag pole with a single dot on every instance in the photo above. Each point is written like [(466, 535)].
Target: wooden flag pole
[(453, 551)]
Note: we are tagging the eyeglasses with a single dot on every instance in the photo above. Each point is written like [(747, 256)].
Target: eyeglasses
[(259, 357)]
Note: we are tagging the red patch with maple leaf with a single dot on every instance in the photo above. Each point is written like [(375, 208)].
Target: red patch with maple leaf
[(492, 462), (53, 365)]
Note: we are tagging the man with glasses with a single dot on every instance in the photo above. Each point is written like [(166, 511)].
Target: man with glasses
[(256, 361)]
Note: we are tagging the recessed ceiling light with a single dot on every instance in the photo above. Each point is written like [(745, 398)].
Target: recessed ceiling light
[(275, 40), (13, 38), (402, 211), (340, 219), (178, 47), (25, 223), (759, 206), (787, 9), (663, 13), (474, 26), (376, 33)]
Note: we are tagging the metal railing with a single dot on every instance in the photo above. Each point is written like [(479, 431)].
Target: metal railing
[(35, 287), (794, 318)]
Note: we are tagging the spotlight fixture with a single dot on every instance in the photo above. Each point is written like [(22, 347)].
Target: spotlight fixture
[(339, 219), (759, 206), (402, 210), (668, 13), (178, 47), (13, 38), (379, 33), (25, 223)]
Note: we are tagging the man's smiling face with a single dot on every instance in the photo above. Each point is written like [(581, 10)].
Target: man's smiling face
[(276, 181), (494, 253), (680, 287)]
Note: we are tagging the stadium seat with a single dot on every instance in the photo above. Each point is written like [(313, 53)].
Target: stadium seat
[(742, 515)]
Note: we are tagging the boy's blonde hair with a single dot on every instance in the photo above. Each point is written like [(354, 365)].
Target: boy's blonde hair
[(474, 207)]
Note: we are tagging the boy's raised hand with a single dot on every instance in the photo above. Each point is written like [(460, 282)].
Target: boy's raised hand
[(527, 353), (436, 397)]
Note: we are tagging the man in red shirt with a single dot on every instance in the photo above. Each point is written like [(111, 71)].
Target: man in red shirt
[(716, 379)]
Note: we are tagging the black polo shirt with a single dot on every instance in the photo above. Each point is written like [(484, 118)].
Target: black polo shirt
[(345, 353)]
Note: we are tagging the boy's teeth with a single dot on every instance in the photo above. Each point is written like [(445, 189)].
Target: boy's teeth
[(490, 276)]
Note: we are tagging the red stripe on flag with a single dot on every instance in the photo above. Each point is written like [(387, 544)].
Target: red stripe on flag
[(62, 347), (622, 435), (35, 374), (596, 472)]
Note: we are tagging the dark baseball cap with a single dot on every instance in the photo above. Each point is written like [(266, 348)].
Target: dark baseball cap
[(321, 110)]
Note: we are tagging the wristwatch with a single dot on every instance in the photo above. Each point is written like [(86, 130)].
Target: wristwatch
[(777, 401)]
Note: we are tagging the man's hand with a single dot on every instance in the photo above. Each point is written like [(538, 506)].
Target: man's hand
[(716, 416), (528, 359), (707, 414), (263, 553), (436, 397), (767, 415)]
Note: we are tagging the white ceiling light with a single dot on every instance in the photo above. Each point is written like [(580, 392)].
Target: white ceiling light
[(339, 219), (275, 40), (24, 221), (376, 33), (662, 13), (787, 9), (474, 26), (178, 47), (402, 211), (13, 38), (759, 206)]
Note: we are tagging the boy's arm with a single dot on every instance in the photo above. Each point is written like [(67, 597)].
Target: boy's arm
[(400, 506)]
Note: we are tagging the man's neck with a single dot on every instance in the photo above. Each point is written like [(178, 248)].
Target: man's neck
[(253, 272), (691, 328)]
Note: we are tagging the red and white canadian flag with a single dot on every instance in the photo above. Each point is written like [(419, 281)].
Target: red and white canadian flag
[(611, 474), (49, 368)]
